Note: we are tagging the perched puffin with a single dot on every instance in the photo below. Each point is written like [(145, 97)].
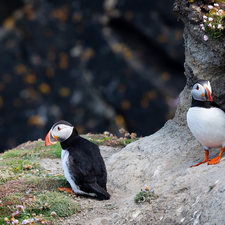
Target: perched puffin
[(206, 120), (82, 162)]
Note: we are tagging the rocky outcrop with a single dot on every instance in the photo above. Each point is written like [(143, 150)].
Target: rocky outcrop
[(162, 160)]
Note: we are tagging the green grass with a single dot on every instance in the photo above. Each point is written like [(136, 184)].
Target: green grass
[(43, 187), (36, 152), (57, 202), (12, 153)]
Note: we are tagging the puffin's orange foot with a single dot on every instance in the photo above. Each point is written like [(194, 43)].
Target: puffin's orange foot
[(199, 163), (205, 159), (66, 189), (214, 160)]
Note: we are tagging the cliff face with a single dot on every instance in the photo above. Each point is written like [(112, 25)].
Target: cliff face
[(163, 160)]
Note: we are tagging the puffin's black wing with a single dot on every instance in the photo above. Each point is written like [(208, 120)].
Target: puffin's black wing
[(88, 168), (214, 104)]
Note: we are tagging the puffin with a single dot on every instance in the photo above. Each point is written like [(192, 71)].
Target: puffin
[(206, 120), (83, 165)]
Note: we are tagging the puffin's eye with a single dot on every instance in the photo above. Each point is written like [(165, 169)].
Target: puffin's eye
[(197, 87), (59, 128)]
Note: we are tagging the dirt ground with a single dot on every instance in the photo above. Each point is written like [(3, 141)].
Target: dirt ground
[(94, 212)]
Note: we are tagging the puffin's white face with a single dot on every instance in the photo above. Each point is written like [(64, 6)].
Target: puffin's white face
[(202, 91), (59, 132)]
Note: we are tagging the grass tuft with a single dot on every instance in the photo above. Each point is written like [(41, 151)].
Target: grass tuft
[(145, 196)]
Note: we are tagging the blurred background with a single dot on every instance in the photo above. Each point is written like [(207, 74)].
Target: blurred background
[(99, 64)]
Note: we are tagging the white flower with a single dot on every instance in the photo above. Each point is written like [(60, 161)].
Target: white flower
[(220, 11), (217, 13), (201, 25), (213, 27), (210, 6), (216, 5), (205, 17), (53, 214), (204, 21), (206, 38), (219, 26), (210, 19), (210, 25)]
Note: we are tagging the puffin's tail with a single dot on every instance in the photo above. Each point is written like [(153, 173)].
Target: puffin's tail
[(101, 194)]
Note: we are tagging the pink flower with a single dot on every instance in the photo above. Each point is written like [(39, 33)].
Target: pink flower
[(210, 6), (205, 17), (216, 5), (6, 219), (213, 27), (204, 21), (201, 25), (27, 221), (210, 25), (219, 26), (217, 13), (15, 222), (19, 207), (210, 19), (203, 28), (206, 38)]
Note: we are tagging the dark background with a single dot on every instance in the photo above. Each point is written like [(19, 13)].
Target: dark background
[(100, 65)]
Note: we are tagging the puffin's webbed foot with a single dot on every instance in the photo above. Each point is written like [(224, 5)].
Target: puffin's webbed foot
[(205, 159), (66, 189), (216, 159), (199, 163)]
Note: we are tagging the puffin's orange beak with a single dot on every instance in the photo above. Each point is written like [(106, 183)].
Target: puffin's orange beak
[(49, 139), (208, 94)]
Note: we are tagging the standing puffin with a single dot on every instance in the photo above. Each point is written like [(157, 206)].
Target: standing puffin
[(206, 120), (82, 162)]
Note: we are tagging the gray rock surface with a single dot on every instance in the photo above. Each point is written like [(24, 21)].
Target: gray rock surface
[(163, 161)]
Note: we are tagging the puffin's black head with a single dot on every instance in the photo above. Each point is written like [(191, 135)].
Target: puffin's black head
[(202, 91), (60, 131)]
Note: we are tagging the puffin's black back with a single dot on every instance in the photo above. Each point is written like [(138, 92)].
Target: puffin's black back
[(86, 165)]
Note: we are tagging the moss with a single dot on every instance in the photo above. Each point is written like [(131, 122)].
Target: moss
[(145, 196), (48, 183)]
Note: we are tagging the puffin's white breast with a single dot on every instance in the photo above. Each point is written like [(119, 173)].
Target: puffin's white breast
[(207, 125), (65, 164)]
